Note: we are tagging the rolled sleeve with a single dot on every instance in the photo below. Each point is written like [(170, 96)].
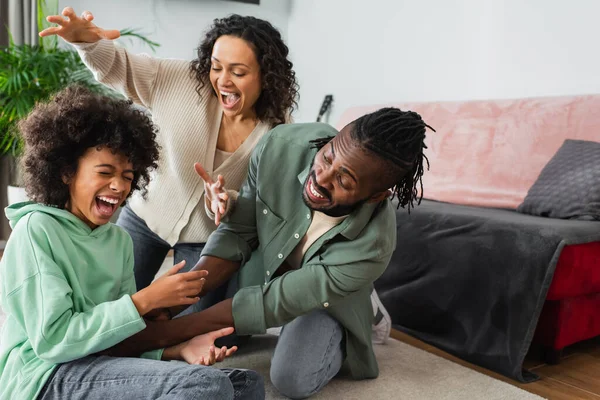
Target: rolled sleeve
[(248, 311), (226, 245)]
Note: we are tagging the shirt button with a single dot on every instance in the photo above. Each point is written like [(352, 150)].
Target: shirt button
[(280, 255), (265, 211), (296, 236), (268, 273), (325, 304), (307, 216)]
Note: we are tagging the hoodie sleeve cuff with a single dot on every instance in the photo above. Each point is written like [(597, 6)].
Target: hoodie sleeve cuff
[(153, 355)]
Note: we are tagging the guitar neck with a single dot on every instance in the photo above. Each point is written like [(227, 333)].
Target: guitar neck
[(325, 106)]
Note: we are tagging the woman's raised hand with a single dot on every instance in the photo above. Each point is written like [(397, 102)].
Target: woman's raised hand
[(74, 29)]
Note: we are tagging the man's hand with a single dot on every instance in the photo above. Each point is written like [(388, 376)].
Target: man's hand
[(214, 192), (171, 289), (74, 29), (200, 350)]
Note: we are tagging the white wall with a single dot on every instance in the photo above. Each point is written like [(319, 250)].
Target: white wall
[(177, 25), (376, 51)]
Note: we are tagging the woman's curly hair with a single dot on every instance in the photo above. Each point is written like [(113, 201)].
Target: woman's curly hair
[(59, 132), (279, 86)]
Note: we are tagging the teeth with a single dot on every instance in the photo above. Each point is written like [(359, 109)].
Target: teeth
[(108, 199), (226, 93), (314, 191)]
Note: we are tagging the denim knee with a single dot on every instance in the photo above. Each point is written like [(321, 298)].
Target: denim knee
[(292, 383), (208, 382), (247, 384)]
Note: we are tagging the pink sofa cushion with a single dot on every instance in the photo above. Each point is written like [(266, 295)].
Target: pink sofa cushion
[(489, 153)]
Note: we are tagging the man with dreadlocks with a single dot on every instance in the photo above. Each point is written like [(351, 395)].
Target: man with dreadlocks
[(313, 228)]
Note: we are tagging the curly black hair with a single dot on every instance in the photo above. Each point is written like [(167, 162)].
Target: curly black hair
[(279, 86), (57, 133)]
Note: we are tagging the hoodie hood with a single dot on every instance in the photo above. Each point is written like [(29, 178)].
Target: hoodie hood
[(69, 221)]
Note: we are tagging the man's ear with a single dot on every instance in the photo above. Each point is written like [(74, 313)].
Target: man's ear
[(380, 196)]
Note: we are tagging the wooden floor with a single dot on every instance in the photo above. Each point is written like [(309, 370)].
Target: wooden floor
[(576, 377)]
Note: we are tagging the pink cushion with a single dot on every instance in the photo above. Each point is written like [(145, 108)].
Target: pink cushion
[(489, 153)]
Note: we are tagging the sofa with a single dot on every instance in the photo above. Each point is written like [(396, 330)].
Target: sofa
[(476, 274)]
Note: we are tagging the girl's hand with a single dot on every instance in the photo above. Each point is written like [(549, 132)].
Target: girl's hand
[(74, 29), (171, 289), (201, 349)]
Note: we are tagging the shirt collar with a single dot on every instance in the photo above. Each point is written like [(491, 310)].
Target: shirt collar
[(303, 175), (358, 220)]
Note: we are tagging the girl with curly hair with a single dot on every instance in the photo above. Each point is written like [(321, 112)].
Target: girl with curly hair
[(67, 273), (212, 110)]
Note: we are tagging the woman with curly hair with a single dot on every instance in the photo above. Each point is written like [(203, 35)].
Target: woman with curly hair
[(67, 273), (212, 111)]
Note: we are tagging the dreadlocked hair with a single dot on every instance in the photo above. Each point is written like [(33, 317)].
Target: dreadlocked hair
[(398, 137)]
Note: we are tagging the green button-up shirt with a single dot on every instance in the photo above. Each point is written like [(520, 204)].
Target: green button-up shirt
[(338, 269)]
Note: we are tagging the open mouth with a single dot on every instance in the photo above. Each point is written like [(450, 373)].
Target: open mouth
[(229, 99), (106, 205), (314, 194)]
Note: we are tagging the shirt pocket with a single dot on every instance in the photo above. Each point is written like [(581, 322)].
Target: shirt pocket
[(268, 223)]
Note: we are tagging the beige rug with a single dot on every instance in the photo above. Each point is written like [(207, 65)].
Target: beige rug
[(405, 373)]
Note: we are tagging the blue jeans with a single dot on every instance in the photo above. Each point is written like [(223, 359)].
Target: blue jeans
[(309, 353), (136, 379), (310, 350), (149, 250)]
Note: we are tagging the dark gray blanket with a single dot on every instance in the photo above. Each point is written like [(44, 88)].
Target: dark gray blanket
[(472, 281)]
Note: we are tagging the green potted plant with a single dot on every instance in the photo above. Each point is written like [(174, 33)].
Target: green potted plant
[(29, 74)]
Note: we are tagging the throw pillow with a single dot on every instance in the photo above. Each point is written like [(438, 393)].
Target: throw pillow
[(569, 185)]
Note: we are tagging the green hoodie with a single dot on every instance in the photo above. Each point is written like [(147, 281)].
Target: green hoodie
[(66, 291)]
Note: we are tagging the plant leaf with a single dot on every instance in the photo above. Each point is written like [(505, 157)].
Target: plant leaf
[(30, 74)]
